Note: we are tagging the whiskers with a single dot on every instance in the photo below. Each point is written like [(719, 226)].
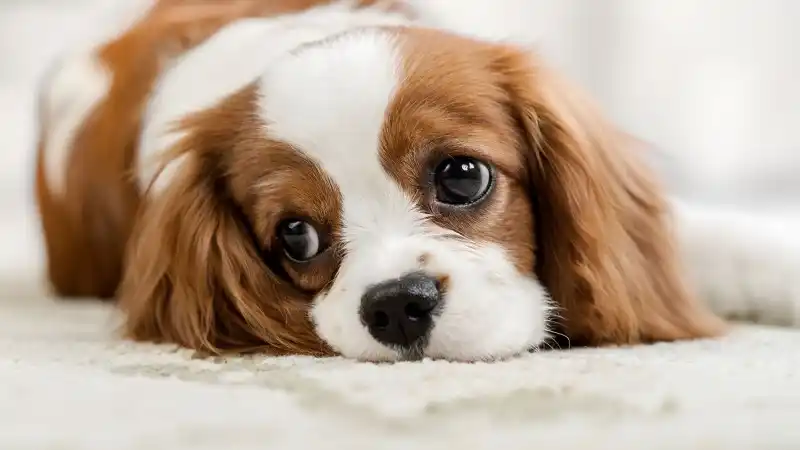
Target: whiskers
[(414, 353), (551, 339)]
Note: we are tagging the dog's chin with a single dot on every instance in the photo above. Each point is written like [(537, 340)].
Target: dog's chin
[(418, 354), (504, 354), (431, 350)]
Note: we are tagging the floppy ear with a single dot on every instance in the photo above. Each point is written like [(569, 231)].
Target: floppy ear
[(606, 251), (194, 275)]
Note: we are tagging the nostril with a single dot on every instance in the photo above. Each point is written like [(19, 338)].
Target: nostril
[(414, 311), (380, 320)]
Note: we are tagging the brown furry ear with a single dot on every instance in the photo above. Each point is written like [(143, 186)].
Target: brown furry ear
[(194, 275), (606, 251)]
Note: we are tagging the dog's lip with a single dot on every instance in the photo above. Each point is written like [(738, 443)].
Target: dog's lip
[(416, 353)]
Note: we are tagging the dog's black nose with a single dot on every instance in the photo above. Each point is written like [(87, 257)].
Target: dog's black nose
[(399, 312)]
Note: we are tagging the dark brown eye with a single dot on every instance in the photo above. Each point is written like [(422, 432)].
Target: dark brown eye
[(300, 240), (462, 181)]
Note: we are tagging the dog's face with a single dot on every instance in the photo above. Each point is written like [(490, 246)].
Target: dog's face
[(428, 235), (400, 193)]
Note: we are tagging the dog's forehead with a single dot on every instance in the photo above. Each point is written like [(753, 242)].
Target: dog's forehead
[(340, 101), (329, 101)]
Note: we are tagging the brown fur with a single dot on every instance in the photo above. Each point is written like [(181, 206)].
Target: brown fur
[(571, 193), (607, 253), (450, 106), (202, 271)]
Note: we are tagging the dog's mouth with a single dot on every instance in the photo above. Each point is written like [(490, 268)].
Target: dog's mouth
[(414, 353)]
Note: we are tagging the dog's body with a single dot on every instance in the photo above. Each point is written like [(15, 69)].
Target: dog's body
[(172, 157)]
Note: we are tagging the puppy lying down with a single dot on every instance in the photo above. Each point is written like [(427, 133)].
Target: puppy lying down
[(312, 177)]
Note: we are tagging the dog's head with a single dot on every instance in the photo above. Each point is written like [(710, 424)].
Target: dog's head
[(397, 193)]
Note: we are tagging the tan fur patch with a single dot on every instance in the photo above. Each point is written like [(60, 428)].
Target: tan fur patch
[(607, 254), (600, 242), (204, 268), (450, 105)]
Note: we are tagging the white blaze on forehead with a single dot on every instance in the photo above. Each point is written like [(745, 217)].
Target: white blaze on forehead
[(330, 102)]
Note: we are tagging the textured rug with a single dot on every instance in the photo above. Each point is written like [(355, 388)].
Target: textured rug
[(67, 382)]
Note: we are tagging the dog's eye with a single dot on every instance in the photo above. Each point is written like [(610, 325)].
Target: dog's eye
[(300, 240), (461, 180)]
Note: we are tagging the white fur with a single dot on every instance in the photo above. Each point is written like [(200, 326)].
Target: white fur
[(227, 62), (78, 83), (71, 93), (744, 266), (330, 101)]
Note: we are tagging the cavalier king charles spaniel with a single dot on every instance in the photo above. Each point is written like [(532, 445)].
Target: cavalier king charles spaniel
[(342, 177)]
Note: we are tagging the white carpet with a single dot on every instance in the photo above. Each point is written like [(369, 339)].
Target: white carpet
[(66, 382)]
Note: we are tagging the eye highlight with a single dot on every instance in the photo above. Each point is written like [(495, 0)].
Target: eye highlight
[(300, 240), (462, 181)]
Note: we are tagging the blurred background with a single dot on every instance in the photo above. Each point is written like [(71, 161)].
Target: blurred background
[(713, 84)]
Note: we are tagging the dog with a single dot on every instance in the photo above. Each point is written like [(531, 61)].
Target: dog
[(344, 178)]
